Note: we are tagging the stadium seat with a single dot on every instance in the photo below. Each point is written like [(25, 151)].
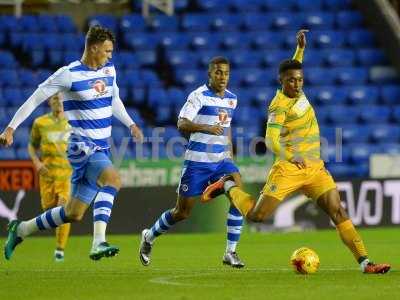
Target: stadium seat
[(195, 22), (328, 39), (8, 78), (7, 154), (162, 23), (365, 95), (340, 58), (355, 134), (21, 139), (157, 97), (316, 57), (106, 20), (319, 76), (308, 5), (383, 75), (234, 41), (146, 58), (131, 78), (327, 95), (334, 154), (370, 57), (342, 114), (189, 77), (390, 94), (286, 21), (267, 40), (141, 41), (256, 21), (7, 60), (246, 5), (65, 24), (47, 23), (203, 40), (360, 153), (138, 95), (350, 76), (278, 5), (385, 133), (272, 58), (211, 5), (174, 41), (226, 22), (163, 114), (150, 78), (336, 5), (360, 38), (318, 20), (132, 23), (374, 114), (28, 23), (328, 134), (176, 96), (180, 58), (348, 19), (244, 59), (22, 153), (390, 148), (12, 96)]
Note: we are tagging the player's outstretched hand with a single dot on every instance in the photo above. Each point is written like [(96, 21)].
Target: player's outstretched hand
[(301, 38), (216, 129), (6, 138), (137, 133), (299, 162)]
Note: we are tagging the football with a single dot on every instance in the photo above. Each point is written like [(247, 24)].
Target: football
[(304, 261)]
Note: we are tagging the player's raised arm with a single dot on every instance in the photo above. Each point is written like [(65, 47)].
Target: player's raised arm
[(301, 44), (54, 84), (189, 112), (119, 111)]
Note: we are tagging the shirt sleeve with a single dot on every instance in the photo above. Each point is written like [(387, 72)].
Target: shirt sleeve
[(191, 108), (57, 82), (276, 114), (35, 135), (298, 55), (118, 108)]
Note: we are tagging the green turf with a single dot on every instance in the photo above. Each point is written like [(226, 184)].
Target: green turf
[(189, 267)]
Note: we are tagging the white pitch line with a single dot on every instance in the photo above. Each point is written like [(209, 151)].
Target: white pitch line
[(172, 280)]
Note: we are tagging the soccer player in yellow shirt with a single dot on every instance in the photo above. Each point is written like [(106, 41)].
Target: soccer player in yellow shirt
[(47, 149), (293, 137)]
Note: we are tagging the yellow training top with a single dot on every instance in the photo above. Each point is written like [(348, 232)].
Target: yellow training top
[(292, 128), (50, 136)]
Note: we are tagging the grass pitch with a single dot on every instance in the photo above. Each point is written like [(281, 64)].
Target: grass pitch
[(188, 266)]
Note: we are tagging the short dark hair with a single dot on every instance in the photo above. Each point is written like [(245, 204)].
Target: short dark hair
[(97, 34), (289, 64), (218, 60)]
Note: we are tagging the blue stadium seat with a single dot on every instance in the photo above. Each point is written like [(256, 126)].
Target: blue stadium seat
[(9, 78), (150, 78), (245, 59), (374, 114), (164, 23), (22, 137), (72, 41), (55, 58), (212, 5), (196, 22), (315, 57), (180, 58), (22, 153), (189, 77), (12, 96), (319, 20), (340, 58), (7, 60), (70, 56), (146, 58), (363, 94), (370, 57), (163, 114), (256, 21), (350, 76), (349, 19), (266, 40), (262, 96), (390, 94), (390, 148), (328, 95), (308, 5), (174, 41), (47, 23), (27, 92), (355, 134), (7, 154), (65, 24), (9, 23), (335, 154), (203, 40), (246, 5), (118, 134), (157, 97), (278, 5), (385, 133), (272, 58), (361, 152), (343, 114), (234, 41), (28, 23), (132, 78), (336, 5), (328, 39), (319, 76), (138, 95), (170, 132), (286, 21), (125, 60), (132, 22), (141, 41), (176, 96), (360, 38), (360, 170), (226, 22)]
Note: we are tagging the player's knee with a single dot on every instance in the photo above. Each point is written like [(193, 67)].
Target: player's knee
[(180, 215), (111, 178), (73, 216)]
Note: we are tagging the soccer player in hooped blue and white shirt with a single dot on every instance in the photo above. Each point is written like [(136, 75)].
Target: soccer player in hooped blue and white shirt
[(207, 116), (91, 98)]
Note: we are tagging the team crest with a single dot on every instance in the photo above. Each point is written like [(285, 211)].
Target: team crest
[(99, 86), (184, 187), (231, 103), (107, 71), (223, 116)]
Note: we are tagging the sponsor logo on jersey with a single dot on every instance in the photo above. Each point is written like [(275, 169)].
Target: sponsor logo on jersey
[(222, 116), (100, 87)]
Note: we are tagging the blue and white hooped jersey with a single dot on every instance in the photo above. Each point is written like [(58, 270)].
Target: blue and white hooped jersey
[(87, 99), (203, 106)]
